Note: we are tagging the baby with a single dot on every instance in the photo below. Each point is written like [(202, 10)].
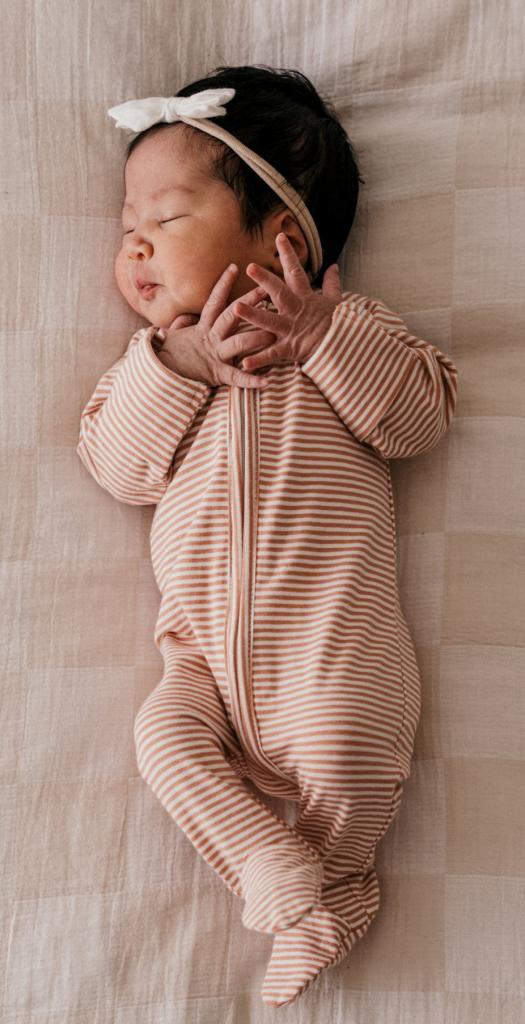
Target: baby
[(260, 421)]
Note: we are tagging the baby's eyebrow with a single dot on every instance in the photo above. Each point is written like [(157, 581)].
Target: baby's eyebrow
[(162, 192)]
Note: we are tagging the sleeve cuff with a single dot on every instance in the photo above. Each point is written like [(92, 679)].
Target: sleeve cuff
[(156, 405), (188, 385)]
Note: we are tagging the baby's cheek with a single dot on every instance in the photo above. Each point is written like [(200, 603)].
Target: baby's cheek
[(124, 284), (121, 277), (192, 291)]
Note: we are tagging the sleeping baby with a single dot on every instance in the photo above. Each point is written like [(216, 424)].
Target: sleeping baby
[(258, 412)]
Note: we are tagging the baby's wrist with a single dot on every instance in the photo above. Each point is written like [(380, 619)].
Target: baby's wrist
[(160, 344)]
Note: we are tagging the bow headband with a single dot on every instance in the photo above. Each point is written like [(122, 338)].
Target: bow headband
[(194, 110)]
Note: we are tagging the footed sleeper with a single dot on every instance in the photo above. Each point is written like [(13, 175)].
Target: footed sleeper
[(287, 656)]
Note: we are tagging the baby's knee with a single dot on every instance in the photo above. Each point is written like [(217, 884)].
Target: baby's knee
[(155, 729), (177, 735)]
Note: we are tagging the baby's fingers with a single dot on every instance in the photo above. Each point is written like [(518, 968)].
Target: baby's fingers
[(235, 377), (218, 296), (215, 307), (246, 341), (229, 319), (184, 320)]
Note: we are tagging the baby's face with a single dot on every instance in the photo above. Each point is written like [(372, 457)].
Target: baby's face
[(184, 239)]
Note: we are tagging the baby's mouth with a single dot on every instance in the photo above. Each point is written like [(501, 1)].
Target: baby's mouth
[(147, 289)]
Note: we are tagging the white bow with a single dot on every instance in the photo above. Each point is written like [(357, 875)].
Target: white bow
[(141, 114)]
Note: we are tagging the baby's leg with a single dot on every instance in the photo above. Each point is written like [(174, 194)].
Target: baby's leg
[(181, 736), (351, 786)]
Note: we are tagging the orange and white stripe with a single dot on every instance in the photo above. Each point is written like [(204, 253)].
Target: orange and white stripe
[(287, 655)]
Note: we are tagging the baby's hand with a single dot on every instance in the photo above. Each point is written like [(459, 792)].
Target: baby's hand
[(304, 315), (184, 320), (201, 348), (188, 319)]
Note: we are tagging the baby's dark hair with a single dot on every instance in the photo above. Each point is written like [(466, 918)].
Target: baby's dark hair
[(279, 114)]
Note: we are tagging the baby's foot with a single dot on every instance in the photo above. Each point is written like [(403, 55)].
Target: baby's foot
[(280, 885), (322, 939)]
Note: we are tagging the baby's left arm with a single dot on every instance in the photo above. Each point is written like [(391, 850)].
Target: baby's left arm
[(392, 390)]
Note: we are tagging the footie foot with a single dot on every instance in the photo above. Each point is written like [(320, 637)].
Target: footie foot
[(300, 954)]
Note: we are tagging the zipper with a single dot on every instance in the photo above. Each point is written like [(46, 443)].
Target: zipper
[(243, 462)]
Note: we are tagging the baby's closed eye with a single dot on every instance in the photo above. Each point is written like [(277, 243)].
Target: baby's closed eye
[(128, 232)]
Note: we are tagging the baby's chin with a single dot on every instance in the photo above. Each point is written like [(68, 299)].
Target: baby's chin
[(157, 309)]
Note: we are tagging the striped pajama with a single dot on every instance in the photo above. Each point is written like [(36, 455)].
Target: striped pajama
[(287, 657)]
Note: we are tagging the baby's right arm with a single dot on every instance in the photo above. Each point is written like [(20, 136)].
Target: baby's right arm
[(135, 420), (145, 403)]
